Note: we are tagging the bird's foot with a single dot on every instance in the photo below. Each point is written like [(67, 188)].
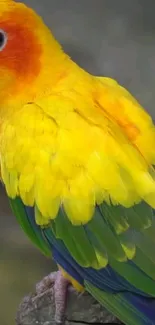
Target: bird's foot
[(60, 292)]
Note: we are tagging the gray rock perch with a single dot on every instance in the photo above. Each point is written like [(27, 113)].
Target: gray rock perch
[(81, 309)]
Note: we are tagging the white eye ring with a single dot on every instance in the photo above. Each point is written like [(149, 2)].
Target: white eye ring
[(3, 39)]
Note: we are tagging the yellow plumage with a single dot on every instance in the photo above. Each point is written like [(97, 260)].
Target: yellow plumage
[(74, 139)]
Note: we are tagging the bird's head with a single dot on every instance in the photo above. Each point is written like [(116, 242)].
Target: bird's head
[(29, 54)]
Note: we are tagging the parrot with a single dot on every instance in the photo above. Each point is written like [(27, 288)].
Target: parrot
[(77, 162)]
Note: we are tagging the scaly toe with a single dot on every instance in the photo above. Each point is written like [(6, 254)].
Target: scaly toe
[(60, 285)]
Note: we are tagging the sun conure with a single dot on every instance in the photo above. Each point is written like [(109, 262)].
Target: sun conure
[(77, 155)]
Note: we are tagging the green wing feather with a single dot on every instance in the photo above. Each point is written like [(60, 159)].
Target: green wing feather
[(71, 236), (102, 242), (33, 232), (99, 243)]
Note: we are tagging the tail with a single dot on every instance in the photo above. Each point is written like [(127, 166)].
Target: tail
[(129, 308)]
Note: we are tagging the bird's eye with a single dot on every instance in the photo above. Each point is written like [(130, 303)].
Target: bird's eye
[(3, 39)]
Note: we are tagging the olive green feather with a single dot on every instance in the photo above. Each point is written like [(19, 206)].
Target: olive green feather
[(33, 232)]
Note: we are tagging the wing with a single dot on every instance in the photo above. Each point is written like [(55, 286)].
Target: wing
[(61, 160), (90, 188), (87, 161)]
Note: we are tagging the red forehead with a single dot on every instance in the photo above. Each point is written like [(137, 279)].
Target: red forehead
[(22, 52)]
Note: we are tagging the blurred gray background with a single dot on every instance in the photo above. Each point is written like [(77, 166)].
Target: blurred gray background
[(106, 37)]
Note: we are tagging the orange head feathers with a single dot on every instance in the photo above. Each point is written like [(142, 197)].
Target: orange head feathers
[(28, 51)]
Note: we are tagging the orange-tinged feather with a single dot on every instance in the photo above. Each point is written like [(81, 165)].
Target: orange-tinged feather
[(29, 58), (22, 46)]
